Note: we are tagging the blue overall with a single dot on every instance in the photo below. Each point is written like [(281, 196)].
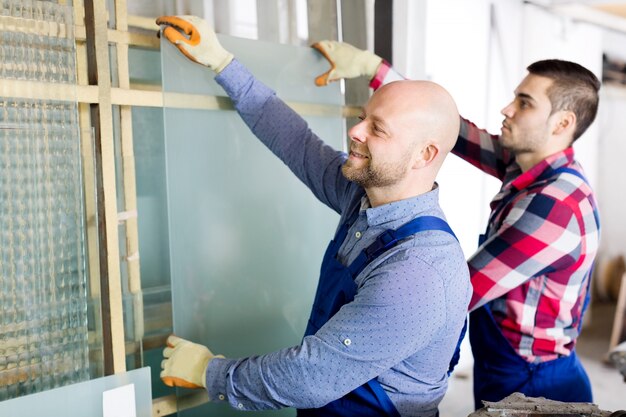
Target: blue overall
[(499, 371), (336, 287)]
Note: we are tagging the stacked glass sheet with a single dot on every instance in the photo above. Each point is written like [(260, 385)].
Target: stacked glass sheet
[(43, 301)]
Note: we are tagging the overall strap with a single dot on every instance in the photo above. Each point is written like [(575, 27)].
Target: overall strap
[(389, 238), (595, 215), (582, 177), (341, 234), (570, 171)]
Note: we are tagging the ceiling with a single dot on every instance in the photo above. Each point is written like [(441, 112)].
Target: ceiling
[(606, 13)]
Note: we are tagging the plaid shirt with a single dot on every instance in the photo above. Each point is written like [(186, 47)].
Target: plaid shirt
[(543, 234)]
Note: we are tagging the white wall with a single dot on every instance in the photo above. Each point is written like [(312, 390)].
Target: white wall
[(611, 189), (611, 124)]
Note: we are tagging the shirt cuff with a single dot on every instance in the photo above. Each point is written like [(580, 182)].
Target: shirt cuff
[(380, 75), (216, 377)]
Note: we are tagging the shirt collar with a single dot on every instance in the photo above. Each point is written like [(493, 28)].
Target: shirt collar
[(400, 210), (554, 161)]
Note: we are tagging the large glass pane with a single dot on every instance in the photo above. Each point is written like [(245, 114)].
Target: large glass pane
[(246, 237), (43, 288)]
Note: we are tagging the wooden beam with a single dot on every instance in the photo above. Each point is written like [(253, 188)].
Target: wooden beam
[(129, 177), (98, 74), (151, 96), (141, 22), (88, 169), (134, 39), (165, 406)]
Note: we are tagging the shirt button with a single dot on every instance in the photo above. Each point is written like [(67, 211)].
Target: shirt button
[(240, 405), (221, 397), (347, 342), (357, 235)]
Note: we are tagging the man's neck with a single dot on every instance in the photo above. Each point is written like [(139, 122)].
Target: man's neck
[(527, 160), (386, 195)]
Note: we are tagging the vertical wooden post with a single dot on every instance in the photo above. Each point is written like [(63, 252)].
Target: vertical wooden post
[(129, 181), (98, 73)]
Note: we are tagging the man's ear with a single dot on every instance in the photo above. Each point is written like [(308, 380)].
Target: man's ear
[(428, 154), (567, 121)]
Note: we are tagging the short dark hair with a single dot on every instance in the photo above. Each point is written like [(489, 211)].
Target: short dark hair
[(574, 88)]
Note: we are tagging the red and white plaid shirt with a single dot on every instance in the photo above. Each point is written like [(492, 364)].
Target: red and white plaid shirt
[(543, 235)]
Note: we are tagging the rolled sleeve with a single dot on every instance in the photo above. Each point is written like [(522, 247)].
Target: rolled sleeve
[(216, 379)]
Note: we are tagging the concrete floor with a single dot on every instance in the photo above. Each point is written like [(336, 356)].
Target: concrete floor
[(609, 388)]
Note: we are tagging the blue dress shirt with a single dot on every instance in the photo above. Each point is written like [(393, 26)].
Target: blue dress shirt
[(411, 302)]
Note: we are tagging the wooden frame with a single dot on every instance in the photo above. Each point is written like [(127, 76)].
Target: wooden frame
[(98, 99), (127, 96)]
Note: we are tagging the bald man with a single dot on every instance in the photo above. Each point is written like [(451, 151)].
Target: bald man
[(394, 285)]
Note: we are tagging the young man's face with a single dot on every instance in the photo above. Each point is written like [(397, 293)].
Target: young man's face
[(528, 122)]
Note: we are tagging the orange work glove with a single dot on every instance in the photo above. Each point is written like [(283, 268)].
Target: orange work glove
[(196, 39), (346, 62), (185, 363)]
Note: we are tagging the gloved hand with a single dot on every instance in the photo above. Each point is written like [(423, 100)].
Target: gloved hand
[(185, 363), (346, 62), (200, 44)]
